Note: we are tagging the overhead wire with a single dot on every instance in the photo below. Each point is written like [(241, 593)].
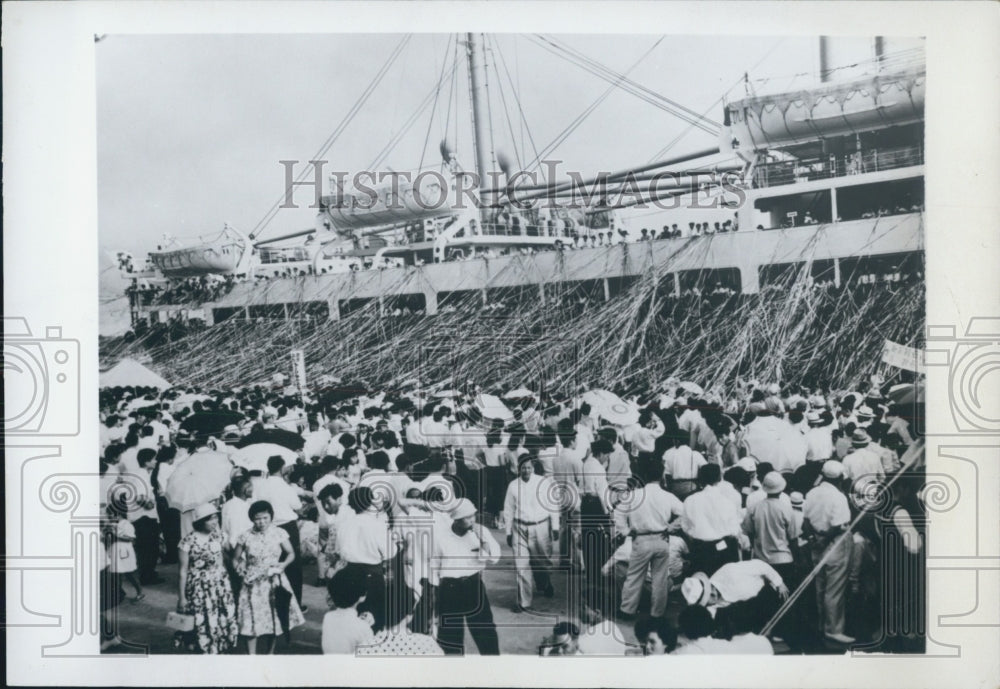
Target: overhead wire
[(332, 138)]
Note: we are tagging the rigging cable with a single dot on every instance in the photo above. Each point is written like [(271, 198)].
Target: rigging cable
[(330, 140), (430, 123), (635, 87), (586, 113)]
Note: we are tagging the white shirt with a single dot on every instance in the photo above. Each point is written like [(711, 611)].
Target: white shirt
[(534, 500), (595, 480), (235, 520), (143, 493), (344, 632), (316, 442), (413, 433), (713, 513), (819, 443), (740, 581), (791, 452), (165, 469), (461, 556), (864, 465), (650, 510), (825, 507), (644, 439), (681, 463), (283, 498), (364, 539), (764, 437)]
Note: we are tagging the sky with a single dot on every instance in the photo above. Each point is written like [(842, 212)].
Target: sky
[(191, 128)]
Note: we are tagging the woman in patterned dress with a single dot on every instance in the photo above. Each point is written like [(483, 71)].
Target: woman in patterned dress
[(267, 606), (205, 591)]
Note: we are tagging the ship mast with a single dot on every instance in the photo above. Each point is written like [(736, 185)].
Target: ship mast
[(477, 93)]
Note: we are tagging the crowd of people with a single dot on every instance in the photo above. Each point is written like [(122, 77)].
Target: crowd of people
[(693, 516)]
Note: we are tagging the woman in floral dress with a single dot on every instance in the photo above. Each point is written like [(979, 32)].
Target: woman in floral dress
[(267, 606), (205, 591)]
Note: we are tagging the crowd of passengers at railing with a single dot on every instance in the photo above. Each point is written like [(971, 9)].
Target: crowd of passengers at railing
[(882, 211)]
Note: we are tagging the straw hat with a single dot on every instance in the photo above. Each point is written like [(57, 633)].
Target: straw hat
[(796, 498), (463, 509), (203, 511), (814, 418), (860, 438), (865, 410), (747, 464), (832, 469), (773, 483), (696, 589)]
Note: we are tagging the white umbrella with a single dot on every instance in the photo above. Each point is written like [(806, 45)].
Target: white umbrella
[(611, 407), (254, 457), (519, 393), (492, 407), (198, 479), (693, 388)]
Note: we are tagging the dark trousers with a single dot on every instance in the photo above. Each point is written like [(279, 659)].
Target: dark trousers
[(170, 523), (147, 548), (792, 625), (496, 489), (463, 602), (294, 570), (424, 610), (706, 557)]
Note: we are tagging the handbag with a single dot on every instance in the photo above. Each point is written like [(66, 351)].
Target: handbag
[(180, 622)]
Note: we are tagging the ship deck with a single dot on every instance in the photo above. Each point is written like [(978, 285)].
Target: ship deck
[(745, 251)]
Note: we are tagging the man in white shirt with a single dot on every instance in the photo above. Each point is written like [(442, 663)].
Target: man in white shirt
[(649, 516), (594, 477), (568, 474), (819, 438), (144, 518), (531, 512), (794, 449), (461, 553), (827, 517), (619, 467), (680, 468), (735, 582), (713, 521), (316, 440), (642, 436), (862, 465), (286, 505)]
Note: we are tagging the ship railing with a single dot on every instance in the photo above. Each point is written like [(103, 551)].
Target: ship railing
[(510, 230), (862, 162)]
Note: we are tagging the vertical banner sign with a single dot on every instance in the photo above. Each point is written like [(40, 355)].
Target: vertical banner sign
[(299, 370), (903, 357)]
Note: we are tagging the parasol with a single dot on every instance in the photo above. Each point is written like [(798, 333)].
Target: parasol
[(611, 407), (254, 457), (277, 436), (198, 479), (492, 407), (907, 393)]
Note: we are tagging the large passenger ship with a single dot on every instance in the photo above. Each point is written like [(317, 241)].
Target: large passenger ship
[(828, 182)]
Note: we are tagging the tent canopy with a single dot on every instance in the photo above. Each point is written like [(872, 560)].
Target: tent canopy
[(130, 372)]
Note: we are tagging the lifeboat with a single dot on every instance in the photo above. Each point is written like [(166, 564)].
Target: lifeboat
[(830, 110), (225, 255)]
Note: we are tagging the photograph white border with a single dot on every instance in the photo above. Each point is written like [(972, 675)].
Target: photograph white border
[(50, 261)]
